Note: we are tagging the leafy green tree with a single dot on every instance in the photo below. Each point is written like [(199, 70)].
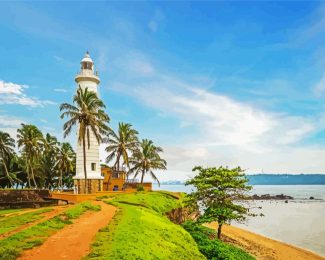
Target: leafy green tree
[(120, 144), (65, 161), (30, 141), (7, 146), (221, 193), (88, 115), (146, 159), (48, 160)]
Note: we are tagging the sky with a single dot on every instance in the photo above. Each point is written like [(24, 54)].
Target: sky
[(212, 83)]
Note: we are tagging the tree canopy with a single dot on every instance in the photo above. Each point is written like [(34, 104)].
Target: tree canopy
[(220, 193)]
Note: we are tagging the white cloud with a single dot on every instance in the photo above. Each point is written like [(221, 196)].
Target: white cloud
[(319, 88), (9, 124), (11, 88), (223, 130), (12, 93), (135, 64), (61, 90)]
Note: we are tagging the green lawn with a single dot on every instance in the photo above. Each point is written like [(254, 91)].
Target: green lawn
[(12, 246), (13, 222), (4, 212), (140, 230)]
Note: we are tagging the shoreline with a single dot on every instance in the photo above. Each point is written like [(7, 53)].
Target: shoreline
[(263, 247)]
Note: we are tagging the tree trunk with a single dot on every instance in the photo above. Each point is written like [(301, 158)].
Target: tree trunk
[(28, 173), (219, 230), (85, 165), (142, 176), (7, 173), (35, 185), (61, 180)]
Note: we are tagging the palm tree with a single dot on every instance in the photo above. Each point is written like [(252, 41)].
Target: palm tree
[(7, 145), (48, 159), (146, 159), (30, 139), (120, 144), (87, 113), (64, 161)]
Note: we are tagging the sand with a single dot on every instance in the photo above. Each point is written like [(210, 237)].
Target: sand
[(73, 241), (262, 247)]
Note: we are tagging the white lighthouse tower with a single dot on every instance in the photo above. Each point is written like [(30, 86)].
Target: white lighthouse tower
[(88, 78)]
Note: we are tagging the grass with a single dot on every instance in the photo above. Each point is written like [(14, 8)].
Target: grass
[(12, 246), (141, 230), (9, 211), (212, 247), (13, 222)]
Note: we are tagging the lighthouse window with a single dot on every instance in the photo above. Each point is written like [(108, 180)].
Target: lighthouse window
[(93, 166)]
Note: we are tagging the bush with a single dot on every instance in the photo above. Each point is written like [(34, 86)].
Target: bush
[(211, 247), (140, 188)]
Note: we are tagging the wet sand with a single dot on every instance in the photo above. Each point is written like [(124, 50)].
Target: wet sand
[(262, 247)]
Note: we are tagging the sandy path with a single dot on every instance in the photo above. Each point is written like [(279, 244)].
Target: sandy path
[(73, 241), (263, 247), (47, 215)]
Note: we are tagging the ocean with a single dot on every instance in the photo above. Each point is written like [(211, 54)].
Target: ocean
[(300, 222)]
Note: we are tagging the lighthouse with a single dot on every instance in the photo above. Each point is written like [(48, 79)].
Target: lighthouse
[(88, 78)]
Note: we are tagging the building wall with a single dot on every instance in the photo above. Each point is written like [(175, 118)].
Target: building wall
[(110, 180), (94, 185)]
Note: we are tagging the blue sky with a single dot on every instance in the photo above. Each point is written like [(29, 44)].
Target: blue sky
[(211, 82)]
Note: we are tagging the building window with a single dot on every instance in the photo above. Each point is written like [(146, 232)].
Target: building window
[(93, 166)]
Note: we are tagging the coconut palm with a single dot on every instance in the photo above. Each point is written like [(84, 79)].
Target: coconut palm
[(88, 115), (48, 160), (64, 161), (7, 145), (30, 141), (120, 144), (146, 159)]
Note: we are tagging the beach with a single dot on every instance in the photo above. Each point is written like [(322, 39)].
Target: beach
[(298, 222), (262, 247)]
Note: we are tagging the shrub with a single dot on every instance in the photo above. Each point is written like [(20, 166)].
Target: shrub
[(211, 247), (140, 188)]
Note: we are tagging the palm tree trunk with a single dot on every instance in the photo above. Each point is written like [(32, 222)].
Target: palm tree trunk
[(28, 173), (142, 176), (61, 182), (7, 173), (35, 185), (85, 166)]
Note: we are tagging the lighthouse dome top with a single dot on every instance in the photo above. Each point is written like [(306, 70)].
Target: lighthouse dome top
[(87, 72), (87, 58)]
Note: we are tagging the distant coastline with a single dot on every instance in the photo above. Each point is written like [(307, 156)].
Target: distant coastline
[(275, 179)]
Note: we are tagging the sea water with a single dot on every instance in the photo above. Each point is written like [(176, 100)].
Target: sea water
[(299, 222)]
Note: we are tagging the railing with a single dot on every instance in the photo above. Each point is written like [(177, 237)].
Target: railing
[(132, 181)]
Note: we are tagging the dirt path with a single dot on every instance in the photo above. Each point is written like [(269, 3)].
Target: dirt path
[(263, 247), (47, 215), (73, 241)]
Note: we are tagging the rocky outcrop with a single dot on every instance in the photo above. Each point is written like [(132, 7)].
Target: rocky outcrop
[(271, 197)]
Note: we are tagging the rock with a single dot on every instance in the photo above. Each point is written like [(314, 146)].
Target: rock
[(311, 198)]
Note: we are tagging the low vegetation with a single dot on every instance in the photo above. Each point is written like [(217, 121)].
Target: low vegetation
[(211, 247), (12, 246), (141, 230), (221, 193), (9, 223)]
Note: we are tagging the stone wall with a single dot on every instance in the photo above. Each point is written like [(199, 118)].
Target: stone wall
[(24, 198)]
